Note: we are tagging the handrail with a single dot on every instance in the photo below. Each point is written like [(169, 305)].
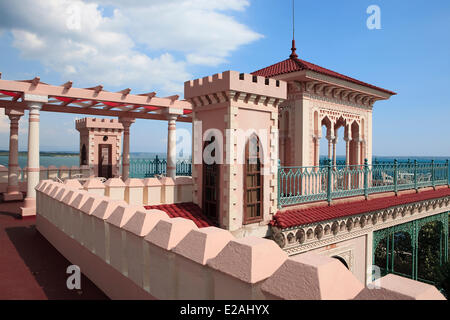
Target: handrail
[(145, 168), (298, 185)]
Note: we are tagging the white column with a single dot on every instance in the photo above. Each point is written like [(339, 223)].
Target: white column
[(126, 122), (29, 207), (13, 191), (171, 146)]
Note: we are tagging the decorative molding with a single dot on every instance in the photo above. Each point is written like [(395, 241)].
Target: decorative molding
[(331, 94), (345, 228)]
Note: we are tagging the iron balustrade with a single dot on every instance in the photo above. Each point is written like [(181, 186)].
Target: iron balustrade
[(146, 168), (298, 185), (412, 230)]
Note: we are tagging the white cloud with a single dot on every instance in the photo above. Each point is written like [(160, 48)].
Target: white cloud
[(142, 44), (5, 124)]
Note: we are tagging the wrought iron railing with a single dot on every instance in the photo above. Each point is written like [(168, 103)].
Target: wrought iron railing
[(308, 184), (146, 168)]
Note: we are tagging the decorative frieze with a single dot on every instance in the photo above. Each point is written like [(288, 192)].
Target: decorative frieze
[(315, 235), (331, 94)]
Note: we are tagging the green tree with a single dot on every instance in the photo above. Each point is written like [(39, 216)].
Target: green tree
[(428, 250), (443, 279)]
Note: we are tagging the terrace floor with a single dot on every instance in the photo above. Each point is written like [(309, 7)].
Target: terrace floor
[(30, 267)]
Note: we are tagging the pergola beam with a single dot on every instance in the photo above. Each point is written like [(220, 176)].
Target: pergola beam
[(96, 93), (67, 85), (148, 95), (111, 113), (96, 89), (125, 92), (92, 111)]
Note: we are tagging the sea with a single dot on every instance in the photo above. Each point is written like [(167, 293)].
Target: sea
[(69, 160)]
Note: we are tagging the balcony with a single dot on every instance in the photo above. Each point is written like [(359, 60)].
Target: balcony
[(298, 185)]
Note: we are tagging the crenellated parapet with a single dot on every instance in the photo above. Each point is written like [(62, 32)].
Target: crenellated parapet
[(96, 123), (235, 86), (133, 253)]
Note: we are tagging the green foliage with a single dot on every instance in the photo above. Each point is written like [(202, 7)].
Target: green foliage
[(430, 254), (443, 279), (428, 250)]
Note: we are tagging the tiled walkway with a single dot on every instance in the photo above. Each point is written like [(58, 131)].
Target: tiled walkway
[(30, 268), (187, 210)]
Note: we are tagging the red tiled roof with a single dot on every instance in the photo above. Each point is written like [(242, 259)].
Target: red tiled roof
[(187, 210), (297, 217), (294, 64)]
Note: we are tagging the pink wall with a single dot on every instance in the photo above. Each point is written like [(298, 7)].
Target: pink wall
[(130, 253), (353, 251)]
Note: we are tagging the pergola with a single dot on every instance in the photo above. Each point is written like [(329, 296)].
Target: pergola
[(36, 96)]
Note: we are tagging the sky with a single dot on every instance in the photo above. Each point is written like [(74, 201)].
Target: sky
[(156, 45)]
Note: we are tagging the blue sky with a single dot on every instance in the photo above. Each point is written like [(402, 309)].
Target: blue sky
[(156, 45)]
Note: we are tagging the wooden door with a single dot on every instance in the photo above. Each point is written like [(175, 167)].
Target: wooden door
[(253, 182), (104, 161)]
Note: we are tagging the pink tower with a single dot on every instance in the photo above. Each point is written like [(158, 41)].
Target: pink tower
[(235, 149)]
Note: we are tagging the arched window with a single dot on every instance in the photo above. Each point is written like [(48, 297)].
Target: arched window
[(253, 181), (210, 186), (342, 260)]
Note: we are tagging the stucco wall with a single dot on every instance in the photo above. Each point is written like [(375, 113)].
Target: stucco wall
[(131, 253), (353, 251)]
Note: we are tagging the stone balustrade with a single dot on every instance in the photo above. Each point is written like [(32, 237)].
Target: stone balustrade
[(50, 172), (149, 191), (133, 253)]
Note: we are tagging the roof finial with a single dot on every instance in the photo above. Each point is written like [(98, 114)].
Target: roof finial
[(293, 54)]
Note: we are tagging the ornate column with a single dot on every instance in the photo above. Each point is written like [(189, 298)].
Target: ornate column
[(126, 122), (335, 140), (171, 146), (330, 137), (362, 151), (359, 161), (13, 192), (29, 208), (347, 150), (357, 151), (317, 151)]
